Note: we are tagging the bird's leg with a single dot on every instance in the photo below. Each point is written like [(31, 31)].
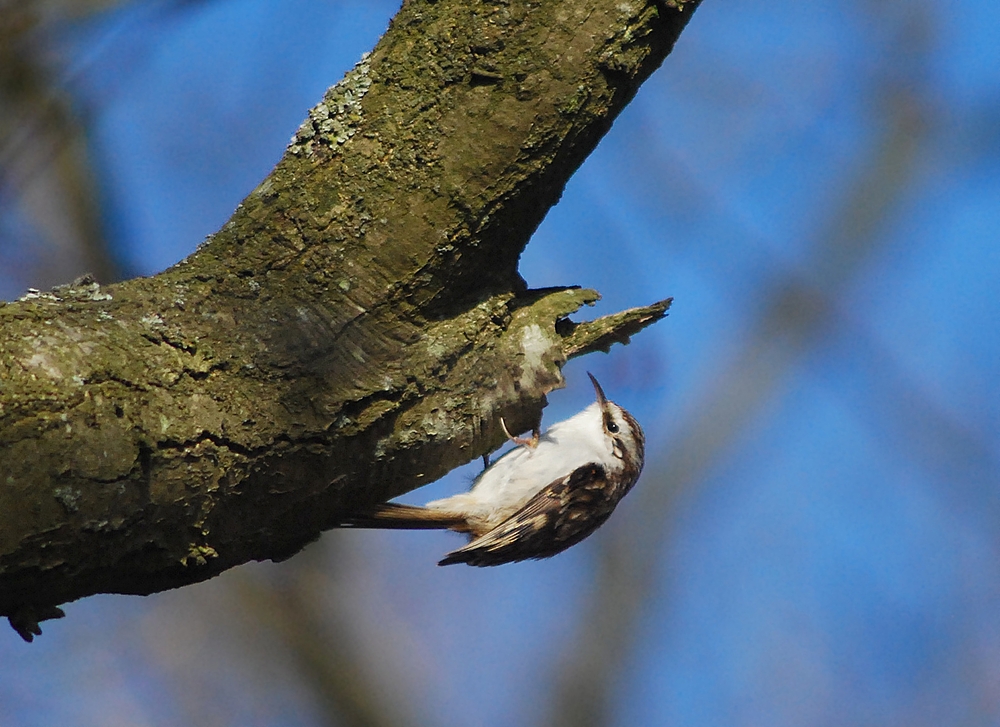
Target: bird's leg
[(530, 442)]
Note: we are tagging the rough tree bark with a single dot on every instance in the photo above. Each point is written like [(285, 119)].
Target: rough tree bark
[(354, 331)]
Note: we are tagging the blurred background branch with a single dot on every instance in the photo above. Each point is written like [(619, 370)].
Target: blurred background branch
[(795, 314), (45, 170)]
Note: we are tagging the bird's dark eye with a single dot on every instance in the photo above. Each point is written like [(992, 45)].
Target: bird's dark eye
[(612, 427)]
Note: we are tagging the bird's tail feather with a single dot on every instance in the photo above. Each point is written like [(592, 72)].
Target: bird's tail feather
[(393, 516)]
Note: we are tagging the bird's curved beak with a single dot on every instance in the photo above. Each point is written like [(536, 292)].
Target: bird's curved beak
[(601, 398)]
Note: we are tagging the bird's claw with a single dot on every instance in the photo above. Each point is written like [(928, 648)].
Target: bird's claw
[(529, 442)]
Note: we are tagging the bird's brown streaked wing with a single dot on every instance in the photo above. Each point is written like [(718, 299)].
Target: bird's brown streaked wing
[(560, 515)]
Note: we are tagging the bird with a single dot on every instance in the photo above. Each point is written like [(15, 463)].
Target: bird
[(548, 493)]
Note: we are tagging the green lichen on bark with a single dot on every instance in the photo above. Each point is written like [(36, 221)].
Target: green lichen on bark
[(338, 116), (355, 330)]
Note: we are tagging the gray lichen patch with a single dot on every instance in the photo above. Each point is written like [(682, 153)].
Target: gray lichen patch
[(337, 117), (68, 497), (84, 288)]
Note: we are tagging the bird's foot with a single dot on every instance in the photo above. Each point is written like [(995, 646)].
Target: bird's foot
[(529, 442)]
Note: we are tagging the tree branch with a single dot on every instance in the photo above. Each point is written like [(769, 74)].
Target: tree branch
[(354, 331)]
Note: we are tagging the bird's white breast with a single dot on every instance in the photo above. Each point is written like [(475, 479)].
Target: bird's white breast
[(512, 480)]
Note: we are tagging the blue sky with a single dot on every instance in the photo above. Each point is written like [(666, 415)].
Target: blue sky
[(815, 537)]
